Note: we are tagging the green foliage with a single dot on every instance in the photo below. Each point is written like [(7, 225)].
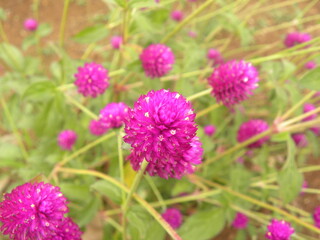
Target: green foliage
[(310, 80), (91, 34)]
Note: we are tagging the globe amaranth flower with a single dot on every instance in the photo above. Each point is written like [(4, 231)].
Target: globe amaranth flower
[(32, 211), (295, 38), (240, 221), (113, 115), (173, 216), (310, 65), (30, 24), (251, 128), (307, 108), (215, 56), (177, 15), (97, 128), (300, 139), (67, 230), (157, 60), (66, 139), (209, 130), (233, 81), (116, 42), (161, 129), (92, 79), (316, 217), (279, 230)]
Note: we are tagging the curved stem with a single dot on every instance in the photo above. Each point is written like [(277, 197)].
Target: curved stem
[(63, 22), (207, 110), (81, 107), (156, 192), (199, 94)]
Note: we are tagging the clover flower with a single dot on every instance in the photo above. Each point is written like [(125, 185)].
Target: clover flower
[(251, 128), (67, 230), (113, 115), (66, 139), (173, 216), (177, 15), (209, 130), (300, 139), (295, 38), (97, 128), (240, 221), (215, 56), (30, 24), (116, 42), (279, 230), (233, 81), (310, 65)]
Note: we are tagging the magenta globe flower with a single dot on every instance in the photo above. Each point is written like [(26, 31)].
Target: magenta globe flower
[(215, 56), (116, 42), (177, 15), (157, 60), (295, 38), (113, 115), (67, 230), (279, 230), (300, 139), (32, 211), (316, 217), (30, 24), (251, 128), (310, 65), (240, 221), (92, 79), (161, 129), (233, 81), (97, 128), (209, 130), (66, 139), (173, 216)]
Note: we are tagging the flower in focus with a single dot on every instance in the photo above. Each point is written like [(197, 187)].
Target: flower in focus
[(233, 81), (92, 79), (240, 221), (279, 230), (300, 139), (161, 129), (173, 216), (251, 128), (177, 15), (215, 56), (316, 217), (113, 115), (209, 130), (96, 128), (30, 24), (32, 211), (67, 230), (295, 38), (157, 60), (116, 42), (66, 139), (311, 65)]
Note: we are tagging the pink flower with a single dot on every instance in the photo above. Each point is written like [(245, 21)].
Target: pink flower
[(233, 82), (177, 15), (295, 38), (67, 230), (30, 24), (279, 230), (240, 221), (67, 139), (192, 34), (113, 115), (116, 42), (251, 128), (209, 130), (92, 79), (173, 216), (300, 139), (316, 217), (157, 60), (311, 65), (215, 55), (32, 211), (307, 108), (96, 128), (161, 129)]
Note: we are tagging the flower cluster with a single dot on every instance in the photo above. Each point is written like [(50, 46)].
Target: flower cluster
[(161, 129), (232, 82), (173, 216), (279, 230), (35, 211), (66, 139), (251, 128), (295, 38)]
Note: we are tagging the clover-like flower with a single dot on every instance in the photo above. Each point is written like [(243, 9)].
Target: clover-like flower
[(279, 230), (240, 221), (295, 38), (173, 216), (66, 139), (251, 128)]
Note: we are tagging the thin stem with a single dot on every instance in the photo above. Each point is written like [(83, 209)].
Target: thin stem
[(199, 94), (156, 192), (88, 50), (120, 158), (81, 107), (63, 22), (15, 130), (186, 75), (3, 33), (301, 126), (117, 72), (114, 224), (298, 118), (207, 110), (187, 20)]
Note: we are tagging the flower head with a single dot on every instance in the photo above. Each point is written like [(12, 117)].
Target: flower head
[(161, 129), (66, 139), (116, 42), (67, 230), (295, 38), (279, 230), (32, 211), (92, 79), (240, 221), (157, 60), (307, 108), (209, 130), (233, 82), (311, 65), (97, 128), (215, 55), (113, 115), (316, 217), (177, 15), (173, 216), (251, 128), (300, 139), (30, 24)]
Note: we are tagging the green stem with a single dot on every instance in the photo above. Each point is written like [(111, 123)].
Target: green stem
[(3, 33), (14, 129), (298, 118), (301, 126), (156, 192), (199, 94), (63, 22), (186, 75), (81, 107), (186, 20), (207, 110), (120, 157), (117, 72)]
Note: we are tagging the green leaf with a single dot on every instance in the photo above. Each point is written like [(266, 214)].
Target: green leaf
[(203, 225), (155, 231), (74, 191), (11, 56), (280, 137), (107, 189), (89, 210), (311, 80), (290, 179), (39, 89), (139, 219), (91, 34)]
